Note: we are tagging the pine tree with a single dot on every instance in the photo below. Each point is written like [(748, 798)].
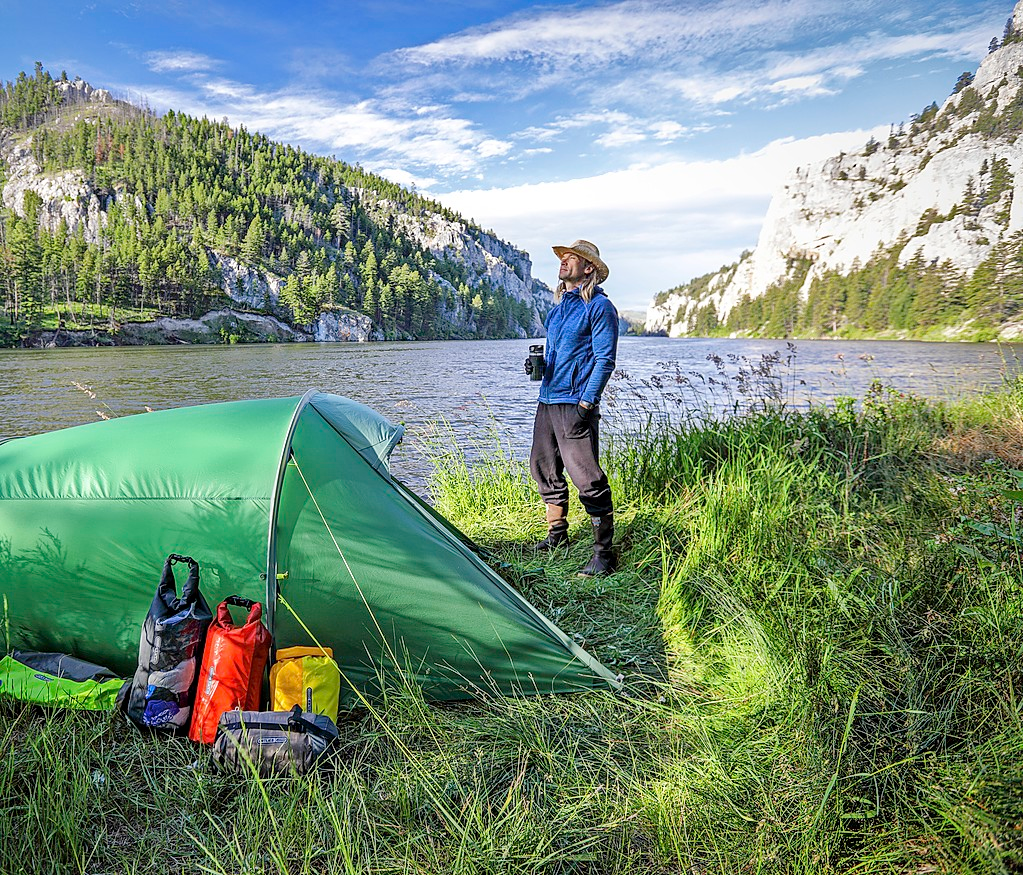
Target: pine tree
[(964, 81), (252, 248), (26, 272), (369, 301), (927, 304)]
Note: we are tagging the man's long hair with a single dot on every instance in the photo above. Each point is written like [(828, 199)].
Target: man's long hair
[(587, 287)]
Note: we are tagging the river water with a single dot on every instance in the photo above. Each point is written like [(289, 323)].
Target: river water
[(473, 390)]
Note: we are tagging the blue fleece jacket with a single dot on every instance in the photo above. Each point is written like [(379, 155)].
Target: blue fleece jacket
[(582, 341)]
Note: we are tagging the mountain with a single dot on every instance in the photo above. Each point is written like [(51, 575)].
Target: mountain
[(920, 236), (121, 226), (631, 321)]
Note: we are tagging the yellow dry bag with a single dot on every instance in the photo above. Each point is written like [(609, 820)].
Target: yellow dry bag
[(306, 676)]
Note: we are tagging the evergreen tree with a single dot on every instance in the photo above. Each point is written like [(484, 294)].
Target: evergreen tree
[(252, 248), (964, 81)]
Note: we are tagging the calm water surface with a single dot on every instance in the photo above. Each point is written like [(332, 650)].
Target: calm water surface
[(476, 387)]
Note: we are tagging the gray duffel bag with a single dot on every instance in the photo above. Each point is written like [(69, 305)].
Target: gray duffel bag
[(272, 743)]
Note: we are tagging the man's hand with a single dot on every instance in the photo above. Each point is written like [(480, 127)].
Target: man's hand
[(528, 367)]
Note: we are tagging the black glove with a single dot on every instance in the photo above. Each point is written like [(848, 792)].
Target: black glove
[(528, 366), (585, 413)]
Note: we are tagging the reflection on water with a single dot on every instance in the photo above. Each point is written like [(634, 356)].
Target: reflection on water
[(473, 386)]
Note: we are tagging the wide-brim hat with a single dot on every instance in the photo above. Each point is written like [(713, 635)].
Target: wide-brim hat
[(588, 252)]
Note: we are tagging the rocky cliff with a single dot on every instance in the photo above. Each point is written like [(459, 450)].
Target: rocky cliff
[(486, 258), (944, 189)]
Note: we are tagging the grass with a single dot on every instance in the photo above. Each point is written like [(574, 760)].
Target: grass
[(84, 315), (819, 618)]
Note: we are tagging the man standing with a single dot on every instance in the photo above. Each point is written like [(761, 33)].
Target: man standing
[(579, 358)]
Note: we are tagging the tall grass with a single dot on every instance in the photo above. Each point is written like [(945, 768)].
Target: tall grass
[(481, 481), (820, 620)]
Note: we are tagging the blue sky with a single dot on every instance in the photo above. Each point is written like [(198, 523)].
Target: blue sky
[(658, 130)]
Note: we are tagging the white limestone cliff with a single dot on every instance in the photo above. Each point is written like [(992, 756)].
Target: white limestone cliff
[(65, 196), (837, 214)]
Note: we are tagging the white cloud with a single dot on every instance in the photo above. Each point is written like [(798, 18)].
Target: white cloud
[(666, 131), (803, 74), (386, 133), (225, 89), (639, 53), (583, 52), (657, 225), (628, 29), (614, 129), (180, 62), (403, 177), (807, 86), (621, 137), (492, 148)]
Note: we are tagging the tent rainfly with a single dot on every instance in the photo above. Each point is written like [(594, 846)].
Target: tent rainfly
[(288, 501)]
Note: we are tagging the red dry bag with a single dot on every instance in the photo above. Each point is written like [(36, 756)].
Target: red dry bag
[(232, 668)]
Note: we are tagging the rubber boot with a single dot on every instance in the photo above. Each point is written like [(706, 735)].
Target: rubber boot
[(557, 528), (604, 559)]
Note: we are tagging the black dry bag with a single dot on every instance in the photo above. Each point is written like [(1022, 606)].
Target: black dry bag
[(272, 743), (170, 649)]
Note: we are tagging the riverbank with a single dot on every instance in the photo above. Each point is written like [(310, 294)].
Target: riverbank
[(225, 325), (970, 331), (820, 624)]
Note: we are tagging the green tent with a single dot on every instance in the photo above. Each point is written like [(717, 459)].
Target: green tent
[(290, 496)]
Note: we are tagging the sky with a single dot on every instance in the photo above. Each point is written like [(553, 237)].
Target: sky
[(657, 130)]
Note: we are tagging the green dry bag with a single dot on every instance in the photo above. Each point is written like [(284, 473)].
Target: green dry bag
[(58, 679)]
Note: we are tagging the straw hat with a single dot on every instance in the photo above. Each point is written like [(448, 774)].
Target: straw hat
[(588, 252)]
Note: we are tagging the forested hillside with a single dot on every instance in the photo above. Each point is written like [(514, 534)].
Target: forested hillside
[(112, 214)]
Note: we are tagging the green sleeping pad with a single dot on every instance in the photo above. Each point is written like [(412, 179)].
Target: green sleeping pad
[(58, 679)]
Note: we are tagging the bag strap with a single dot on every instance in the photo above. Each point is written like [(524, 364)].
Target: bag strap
[(232, 720), (167, 591), (168, 587), (298, 723), (255, 609), (190, 590), (239, 601), (177, 557)]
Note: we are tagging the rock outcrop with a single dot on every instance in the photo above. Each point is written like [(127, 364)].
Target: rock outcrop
[(246, 284), (217, 326), (946, 187), (502, 265), (80, 91), (65, 196), (344, 326)]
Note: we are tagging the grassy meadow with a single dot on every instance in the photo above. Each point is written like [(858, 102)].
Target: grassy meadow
[(819, 618)]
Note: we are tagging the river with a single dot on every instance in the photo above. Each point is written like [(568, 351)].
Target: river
[(477, 388)]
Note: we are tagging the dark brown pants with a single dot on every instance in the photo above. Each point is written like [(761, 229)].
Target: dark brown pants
[(562, 441)]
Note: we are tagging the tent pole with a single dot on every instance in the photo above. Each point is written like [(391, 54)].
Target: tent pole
[(275, 503)]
